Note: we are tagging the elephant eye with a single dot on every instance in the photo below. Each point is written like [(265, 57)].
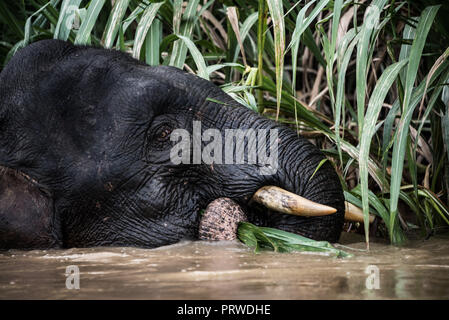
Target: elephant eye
[(164, 133), (158, 137)]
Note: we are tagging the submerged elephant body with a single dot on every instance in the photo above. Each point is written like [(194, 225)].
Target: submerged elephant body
[(87, 133)]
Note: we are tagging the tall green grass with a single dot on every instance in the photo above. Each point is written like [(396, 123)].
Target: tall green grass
[(367, 82)]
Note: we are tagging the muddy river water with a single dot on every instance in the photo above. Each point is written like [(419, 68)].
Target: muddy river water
[(229, 270)]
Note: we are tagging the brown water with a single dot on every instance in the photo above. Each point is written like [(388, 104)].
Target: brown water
[(229, 270)]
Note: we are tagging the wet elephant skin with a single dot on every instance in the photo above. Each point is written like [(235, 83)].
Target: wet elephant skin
[(88, 131)]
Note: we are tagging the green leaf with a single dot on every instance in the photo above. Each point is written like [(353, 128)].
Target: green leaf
[(114, 21), (244, 31), (179, 52), (371, 22), (346, 53), (26, 38), (197, 57), (144, 25), (424, 24), (318, 167), (152, 43), (263, 238), (67, 14), (83, 35), (374, 106), (301, 25), (276, 9)]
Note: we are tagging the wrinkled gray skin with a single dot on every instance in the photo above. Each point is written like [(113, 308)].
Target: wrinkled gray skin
[(85, 149)]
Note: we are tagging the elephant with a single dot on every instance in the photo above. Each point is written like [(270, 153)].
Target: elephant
[(85, 144)]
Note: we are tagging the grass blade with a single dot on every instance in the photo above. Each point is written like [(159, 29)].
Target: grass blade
[(422, 30), (374, 106), (26, 38), (144, 25), (244, 31), (276, 240), (66, 18), (370, 22), (114, 21), (276, 9), (301, 25), (179, 52), (234, 20), (340, 100), (408, 34), (197, 57), (261, 35), (152, 43), (83, 35)]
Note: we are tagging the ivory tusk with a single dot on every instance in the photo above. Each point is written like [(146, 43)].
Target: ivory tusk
[(355, 214), (284, 201)]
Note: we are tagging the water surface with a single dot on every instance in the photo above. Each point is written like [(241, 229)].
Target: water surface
[(228, 270)]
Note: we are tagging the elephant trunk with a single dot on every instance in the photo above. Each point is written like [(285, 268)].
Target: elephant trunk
[(302, 172)]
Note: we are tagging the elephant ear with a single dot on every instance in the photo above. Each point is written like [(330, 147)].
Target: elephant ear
[(27, 219)]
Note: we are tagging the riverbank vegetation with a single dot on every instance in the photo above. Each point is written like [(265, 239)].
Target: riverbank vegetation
[(366, 81)]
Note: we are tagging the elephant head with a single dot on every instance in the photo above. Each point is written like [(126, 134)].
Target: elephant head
[(86, 146)]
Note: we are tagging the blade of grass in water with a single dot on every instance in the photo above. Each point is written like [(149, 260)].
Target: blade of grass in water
[(374, 106), (397, 165), (263, 238)]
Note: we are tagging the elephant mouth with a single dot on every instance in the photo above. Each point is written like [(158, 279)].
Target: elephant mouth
[(221, 217)]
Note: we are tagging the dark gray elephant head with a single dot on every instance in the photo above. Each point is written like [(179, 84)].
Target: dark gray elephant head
[(85, 145)]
